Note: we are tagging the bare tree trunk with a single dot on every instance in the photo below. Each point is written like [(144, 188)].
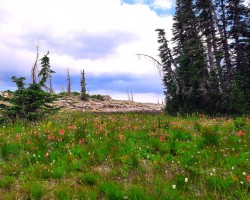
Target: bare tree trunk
[(34, 68), (68, 83), (210, 52), (225, 45), (51, 91), (223, 35), (215, 47)]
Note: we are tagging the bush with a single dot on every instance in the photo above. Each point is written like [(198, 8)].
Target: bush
[(29, 103)]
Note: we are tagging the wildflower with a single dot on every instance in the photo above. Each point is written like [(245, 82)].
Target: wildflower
[(240, 133), (186, 180), (81, 140), (244, 173), (61, 132), (213, 170), (232, 168), (161, 138), (201, 115), (248, 177), (121, 136), (195, 135), (73, 127), (47, 154), (28, 142), (51, 137), (174, 186)]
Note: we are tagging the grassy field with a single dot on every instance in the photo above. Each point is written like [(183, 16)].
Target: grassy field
[(125, 156)]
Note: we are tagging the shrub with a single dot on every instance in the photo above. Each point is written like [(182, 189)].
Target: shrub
[(31, 103)]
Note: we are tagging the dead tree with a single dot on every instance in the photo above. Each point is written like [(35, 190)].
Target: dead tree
[(68, 83), (35, 65)]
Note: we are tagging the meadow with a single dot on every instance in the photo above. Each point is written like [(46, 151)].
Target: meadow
[(77, 155)]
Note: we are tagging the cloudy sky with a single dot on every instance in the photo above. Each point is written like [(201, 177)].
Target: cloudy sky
[(99, 36)]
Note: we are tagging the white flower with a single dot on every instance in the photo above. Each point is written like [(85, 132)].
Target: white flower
[(244, 173), (174, 186), (213, 170), (186, 180), (232, 168)]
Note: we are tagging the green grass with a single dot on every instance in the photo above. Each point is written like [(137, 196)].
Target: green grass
[(77, 155)]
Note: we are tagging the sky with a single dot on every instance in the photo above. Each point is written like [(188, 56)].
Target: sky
[(100, 36)]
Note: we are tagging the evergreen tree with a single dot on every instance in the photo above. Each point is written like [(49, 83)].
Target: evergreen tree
[(208, 69), (207, 27), (171, 86), (237, 16), (31, 103), (84, 95), (222, 25), (189, 54), (45, 71)]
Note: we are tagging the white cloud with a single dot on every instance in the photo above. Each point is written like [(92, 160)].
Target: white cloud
[(163, 4), (246, 2), (65, 26)]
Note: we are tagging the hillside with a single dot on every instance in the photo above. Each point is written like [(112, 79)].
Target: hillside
[(107, 105)]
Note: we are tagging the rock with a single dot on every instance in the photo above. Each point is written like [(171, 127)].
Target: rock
[(107, 98), (108, 105)]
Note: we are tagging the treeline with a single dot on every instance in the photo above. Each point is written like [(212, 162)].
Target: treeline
[(208, 69), (33, 102)]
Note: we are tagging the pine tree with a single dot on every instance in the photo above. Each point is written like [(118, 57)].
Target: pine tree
[(189, 54), (45, 71), (171, 86), (207, 26), (208, 69), (84, 96), (237, 15), (222, 25), (31, 103)]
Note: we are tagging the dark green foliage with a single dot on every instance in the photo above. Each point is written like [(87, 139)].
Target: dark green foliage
[(208, 69), (45, 71), (30, 103), (97, 97), (238, 15), (84, 95)]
